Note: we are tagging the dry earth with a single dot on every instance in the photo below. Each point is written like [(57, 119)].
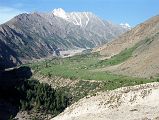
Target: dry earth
[(139, 102), (144, 62), (145, 59)]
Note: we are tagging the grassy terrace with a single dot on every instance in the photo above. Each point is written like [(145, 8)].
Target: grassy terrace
[(81, 66), (122, 56)]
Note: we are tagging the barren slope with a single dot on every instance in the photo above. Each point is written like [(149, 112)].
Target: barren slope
[(128, 103), (144, 61), (129, 39)]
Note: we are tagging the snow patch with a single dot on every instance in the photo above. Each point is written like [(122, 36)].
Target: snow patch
[(125, 25), (87, 19)]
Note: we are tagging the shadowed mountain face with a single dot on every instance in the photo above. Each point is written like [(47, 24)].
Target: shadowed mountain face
[(8, 57), (39, 35), (21, 93), (9, 94)]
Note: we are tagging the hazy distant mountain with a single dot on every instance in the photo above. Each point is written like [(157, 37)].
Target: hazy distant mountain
[(39, 35)]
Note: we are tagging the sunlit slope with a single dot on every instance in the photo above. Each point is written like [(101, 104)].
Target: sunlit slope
[(136, 51)]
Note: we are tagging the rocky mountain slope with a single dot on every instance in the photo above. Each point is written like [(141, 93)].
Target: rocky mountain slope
[(143, 41), (128, 103), (38, 35)]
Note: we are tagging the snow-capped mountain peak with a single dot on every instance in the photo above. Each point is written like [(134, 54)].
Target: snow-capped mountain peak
[(77, 18), (82, 19), (60, 13), (125, 25)]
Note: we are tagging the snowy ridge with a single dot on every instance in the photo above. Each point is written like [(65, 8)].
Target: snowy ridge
[(82, 19), (77, 18)]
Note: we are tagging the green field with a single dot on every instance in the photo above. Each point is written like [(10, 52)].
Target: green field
[(82, 67)]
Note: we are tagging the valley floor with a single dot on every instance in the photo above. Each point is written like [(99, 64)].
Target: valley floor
[(83, 77)]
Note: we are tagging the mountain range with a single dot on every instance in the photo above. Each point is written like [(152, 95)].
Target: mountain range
[(103, 84), (40, 35)]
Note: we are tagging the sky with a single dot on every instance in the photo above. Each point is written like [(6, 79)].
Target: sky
[(132, 12)]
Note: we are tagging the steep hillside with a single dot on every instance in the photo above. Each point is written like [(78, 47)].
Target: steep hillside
[(144, 61), (136, 52), (39, 35), (127, 103), (130, 38)]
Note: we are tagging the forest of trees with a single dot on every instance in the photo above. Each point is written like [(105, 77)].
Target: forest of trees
[(28, 94), (40, 96)]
